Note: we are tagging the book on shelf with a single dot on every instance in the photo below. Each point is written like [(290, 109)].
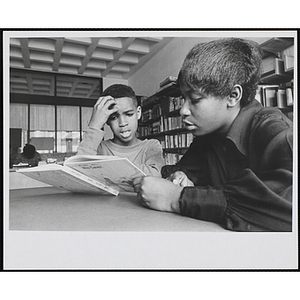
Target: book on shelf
[(172, 83), (168, 80), (88, 174), (280, 96), (289, 97)]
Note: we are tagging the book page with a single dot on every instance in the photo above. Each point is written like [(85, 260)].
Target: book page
[(117, 172)]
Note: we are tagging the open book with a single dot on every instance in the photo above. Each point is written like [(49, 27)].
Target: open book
[(88, 174)]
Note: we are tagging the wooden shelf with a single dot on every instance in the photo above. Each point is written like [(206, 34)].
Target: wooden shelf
[(163, 133), (275, 78), (275, 45), (172, 91), (286, 109)]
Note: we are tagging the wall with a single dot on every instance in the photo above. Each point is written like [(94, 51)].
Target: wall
[(109, 81), (167, 62)]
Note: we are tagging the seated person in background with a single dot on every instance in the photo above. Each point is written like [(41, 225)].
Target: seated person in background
[(118, 107), (238, 170), (29, 155)]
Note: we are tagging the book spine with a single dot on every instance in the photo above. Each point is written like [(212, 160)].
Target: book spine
[(91, 181)]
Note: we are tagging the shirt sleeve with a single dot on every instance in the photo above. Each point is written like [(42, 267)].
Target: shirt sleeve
[(255, 200), (153, 158), (91, 139)]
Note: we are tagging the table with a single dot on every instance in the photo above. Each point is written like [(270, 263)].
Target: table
[(53, 209)]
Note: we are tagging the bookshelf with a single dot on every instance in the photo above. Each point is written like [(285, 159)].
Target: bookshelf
[(276, 87), (161, 120)]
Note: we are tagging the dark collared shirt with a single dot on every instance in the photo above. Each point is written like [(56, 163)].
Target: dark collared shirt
[(243, 181)]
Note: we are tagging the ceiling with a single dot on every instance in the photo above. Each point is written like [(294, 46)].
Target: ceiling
[(87, 58)]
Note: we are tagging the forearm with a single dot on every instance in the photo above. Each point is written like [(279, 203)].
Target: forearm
[(260, 203), (90, 141), (247, 203), (153, 165), (151, 169), (153, 160)]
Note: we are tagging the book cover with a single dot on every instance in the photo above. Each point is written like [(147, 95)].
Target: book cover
[(112, 171)]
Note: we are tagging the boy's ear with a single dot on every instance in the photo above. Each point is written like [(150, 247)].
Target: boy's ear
[(235, 96), (139, 112)]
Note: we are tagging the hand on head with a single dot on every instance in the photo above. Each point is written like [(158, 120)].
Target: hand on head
[(103, 109)]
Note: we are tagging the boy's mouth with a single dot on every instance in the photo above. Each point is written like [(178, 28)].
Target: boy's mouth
[(188, 125), (125, 134)]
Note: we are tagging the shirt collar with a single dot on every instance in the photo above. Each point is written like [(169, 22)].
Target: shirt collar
[(241, 126)]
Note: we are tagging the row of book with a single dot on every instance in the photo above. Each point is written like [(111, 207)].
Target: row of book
[(152, 114), (166, 105), (172, 158), (179, 140), (275, 96), (162, 124), (169, 104)]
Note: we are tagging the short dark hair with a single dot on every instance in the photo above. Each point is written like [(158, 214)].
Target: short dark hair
[(29, 151), (216, 67), (120, 91)]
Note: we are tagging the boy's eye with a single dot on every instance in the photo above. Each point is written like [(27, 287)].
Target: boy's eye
[(195, 100), (112, 117)]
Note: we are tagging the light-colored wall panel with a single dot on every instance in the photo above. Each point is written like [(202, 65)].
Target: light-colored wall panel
[(168, 62)]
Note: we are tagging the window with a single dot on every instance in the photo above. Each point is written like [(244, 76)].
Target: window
[(51, 110), (42, 127), (68, 128)]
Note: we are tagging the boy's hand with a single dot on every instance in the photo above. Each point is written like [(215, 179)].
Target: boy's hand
[(158, 193), (179, 178), (104, 107)]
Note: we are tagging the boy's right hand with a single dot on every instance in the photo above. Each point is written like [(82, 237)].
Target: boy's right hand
[(104, 107)]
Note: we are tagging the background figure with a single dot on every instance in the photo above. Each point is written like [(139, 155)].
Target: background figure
[(29, 155)]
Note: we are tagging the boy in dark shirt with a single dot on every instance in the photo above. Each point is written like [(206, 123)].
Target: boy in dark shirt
[(238, 170)]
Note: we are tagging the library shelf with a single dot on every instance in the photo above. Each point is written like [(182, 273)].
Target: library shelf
[(161, 120), (276, 86)]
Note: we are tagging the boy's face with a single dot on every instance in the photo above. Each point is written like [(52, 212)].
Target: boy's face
[(205, 114), (124, 122)]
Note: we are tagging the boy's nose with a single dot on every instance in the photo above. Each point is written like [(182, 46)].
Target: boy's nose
[(122, 121), (184, 111)]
